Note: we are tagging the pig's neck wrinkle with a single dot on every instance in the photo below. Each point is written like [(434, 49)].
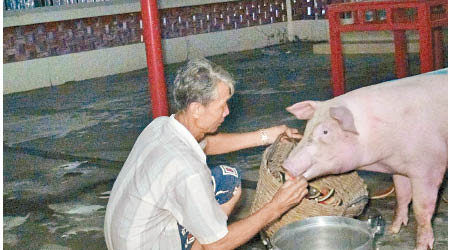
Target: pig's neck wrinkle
[(371, 136), (377, 167), (373, 153)]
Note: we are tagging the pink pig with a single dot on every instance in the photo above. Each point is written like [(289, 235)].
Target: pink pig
[(397, 127)]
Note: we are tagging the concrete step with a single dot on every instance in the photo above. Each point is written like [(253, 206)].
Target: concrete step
[(369, 42), (365, 47)]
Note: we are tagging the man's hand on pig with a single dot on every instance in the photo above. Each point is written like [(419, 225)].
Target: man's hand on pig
[(290, 194)]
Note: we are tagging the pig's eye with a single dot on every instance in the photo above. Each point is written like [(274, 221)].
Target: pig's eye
[(325, 132)]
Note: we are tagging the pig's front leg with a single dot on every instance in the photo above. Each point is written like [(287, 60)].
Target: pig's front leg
[(424, 202), (403, 194)]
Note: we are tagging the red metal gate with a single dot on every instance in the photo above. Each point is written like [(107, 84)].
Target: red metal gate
[(428, 17)]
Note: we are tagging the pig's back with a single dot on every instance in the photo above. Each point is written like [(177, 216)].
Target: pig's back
[(423, 96), (408, 110)]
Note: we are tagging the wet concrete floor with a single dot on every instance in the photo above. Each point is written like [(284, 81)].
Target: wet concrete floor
[(63, 146)]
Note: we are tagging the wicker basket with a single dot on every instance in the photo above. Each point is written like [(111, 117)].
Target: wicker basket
[(349, 188)]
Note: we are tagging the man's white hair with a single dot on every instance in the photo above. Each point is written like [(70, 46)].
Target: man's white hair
[(197, 82)]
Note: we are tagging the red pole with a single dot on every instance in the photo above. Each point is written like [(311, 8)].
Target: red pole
[(401, 55), (337, 61), (152, 40), (438, 48), (425, 43)]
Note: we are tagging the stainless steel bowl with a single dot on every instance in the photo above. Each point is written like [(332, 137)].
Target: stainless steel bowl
[(325, 233)]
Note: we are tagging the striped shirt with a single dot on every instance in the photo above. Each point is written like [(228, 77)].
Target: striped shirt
[(164, 180)]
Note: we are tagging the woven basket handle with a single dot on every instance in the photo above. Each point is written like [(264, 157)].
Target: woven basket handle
[(274, 145)]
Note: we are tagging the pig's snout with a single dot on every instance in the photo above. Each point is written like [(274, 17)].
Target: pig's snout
[(296, 165)]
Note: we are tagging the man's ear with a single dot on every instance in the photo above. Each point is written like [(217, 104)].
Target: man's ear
[(196, 109)]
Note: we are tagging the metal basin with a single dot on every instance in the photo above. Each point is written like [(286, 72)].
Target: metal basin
[(324, 233)]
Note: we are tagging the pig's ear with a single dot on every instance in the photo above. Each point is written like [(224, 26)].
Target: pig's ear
[(345, 118), (303, 110)]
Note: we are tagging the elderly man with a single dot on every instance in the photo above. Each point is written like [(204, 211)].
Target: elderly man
[(166, 197)]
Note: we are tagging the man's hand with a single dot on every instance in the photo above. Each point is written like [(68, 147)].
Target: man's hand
[(290, 194), (273, 133)]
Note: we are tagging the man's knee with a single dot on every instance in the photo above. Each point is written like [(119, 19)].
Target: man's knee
[(226, 181)]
